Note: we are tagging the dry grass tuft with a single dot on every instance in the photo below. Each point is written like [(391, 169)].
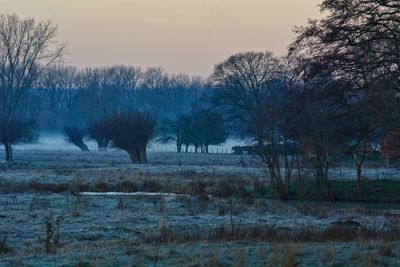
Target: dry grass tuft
[(51, 239), (328, 256), (240, 258), (385, 249), (371, 260), (4, 248), (283, 255)]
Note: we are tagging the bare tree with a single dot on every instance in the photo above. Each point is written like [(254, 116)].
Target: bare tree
[(27, 48), (154, 78), (12, 131), (357, 42), (207, 128), (363, 129), (131, 131), (249, 89), (321, 129), (172, 131), (98, 131), (75, 136), (241, 85), (58, 86), (124, 80)]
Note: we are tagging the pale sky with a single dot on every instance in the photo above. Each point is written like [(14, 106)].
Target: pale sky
[(182, 36)]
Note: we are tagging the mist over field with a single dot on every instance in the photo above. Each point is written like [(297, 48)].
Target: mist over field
[(200, 133), (56, 141)]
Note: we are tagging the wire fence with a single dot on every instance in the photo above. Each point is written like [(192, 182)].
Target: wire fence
[(220, 150)]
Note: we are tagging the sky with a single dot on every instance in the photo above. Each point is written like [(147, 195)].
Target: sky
[(182, 36)]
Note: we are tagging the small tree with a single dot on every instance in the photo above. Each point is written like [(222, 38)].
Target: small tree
[(185, 123), (75, 136), (27, 48), (248, 89), (14, 130), (241, 84), (172, 130), (358, 42), (208, 129), (321, 128), (98, 131), (131, 131), (361, 132)]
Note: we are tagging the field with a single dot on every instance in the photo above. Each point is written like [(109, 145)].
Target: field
[(187, 210)]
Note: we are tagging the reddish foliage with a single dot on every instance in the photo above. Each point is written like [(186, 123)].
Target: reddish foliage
[(391, 144)]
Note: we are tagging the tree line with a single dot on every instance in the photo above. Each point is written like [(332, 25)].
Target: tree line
[(336, 93), (65, 96)]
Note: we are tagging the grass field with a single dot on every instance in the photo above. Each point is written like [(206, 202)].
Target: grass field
[(225, 215)]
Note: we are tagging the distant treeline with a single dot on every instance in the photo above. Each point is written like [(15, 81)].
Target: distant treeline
[(64, 96)]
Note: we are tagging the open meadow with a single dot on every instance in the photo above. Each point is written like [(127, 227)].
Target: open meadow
[(70, 208)]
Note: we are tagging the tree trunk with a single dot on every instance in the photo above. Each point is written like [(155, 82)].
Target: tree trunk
[(299, 178), (179, 147), (187, 149), (102, 145), (281, 190), (134, 157), (279, 186), (358, 183), (9, 152), (142, 156), (82, 146), (331, 194)]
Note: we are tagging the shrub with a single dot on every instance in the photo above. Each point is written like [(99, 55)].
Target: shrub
[(224, 189), (51, 240), (127, 186), (152, 185), (101, 186), (386, 250)]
